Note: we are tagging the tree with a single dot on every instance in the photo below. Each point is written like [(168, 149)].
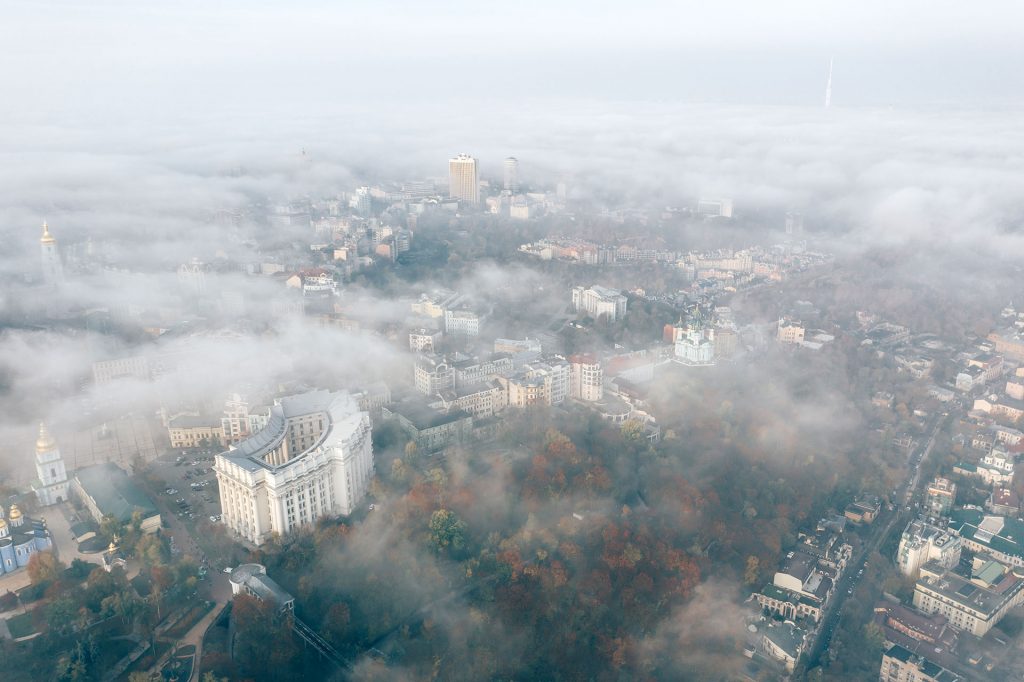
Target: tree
[(44, 567), (447, 531), (753, 571)]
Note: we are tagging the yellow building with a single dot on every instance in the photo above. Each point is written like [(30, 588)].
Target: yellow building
[(189, 432)]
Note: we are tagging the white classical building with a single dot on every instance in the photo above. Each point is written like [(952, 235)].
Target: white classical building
[(597, 301), (314, 458), (51, 484)]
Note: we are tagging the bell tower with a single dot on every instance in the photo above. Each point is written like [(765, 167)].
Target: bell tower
[(51, 486)]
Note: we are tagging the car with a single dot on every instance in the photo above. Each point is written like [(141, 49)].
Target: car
[(228, 569), (213, 519), (372, 507), (849, 591)]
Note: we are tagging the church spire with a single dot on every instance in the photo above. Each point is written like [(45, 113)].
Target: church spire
[(45, 442), (47, 238)]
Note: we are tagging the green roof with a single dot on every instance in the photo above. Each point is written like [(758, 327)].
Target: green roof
[(965, 523), (114, 493)]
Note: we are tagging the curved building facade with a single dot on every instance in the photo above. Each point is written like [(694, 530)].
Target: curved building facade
[(314, 458)]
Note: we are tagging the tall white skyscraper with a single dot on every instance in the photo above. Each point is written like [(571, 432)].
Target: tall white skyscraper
[(828, 86), (463, 179), (512, 174), (53, 271)]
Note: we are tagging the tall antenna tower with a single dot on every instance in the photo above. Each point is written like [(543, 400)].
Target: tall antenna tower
[(828, 86)]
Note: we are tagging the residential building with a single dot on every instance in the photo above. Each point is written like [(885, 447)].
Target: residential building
[(1003, 502), (908, 627), (252, 579), (431, 429), (511, 183), (714, 208), (478, 399), (800, 588), (784, 642), (940, 496), (432, 374), (863, 510), (544, 382), (974, 604), (462, 320), (106, 490), (463, 179), (424, 340), (790, 331), (922, 542), (433, 304), (470, 371), (901, 665), (51, 484), (586, 379), (597, 301), (314, 458), (240, 421), (106, 371)]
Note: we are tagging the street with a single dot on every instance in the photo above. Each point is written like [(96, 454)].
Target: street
[(903, 511)]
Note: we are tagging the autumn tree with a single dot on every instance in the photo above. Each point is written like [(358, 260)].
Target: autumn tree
[(44, 567)]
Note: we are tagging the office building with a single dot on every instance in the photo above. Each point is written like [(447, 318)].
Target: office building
[(463, 179)]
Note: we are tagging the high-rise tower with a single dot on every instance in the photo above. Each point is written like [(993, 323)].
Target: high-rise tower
[(51, 486), (512, 174), (463, 180), (53, 271), (828, 86)]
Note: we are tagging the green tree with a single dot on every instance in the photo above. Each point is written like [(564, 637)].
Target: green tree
[(447, 531)]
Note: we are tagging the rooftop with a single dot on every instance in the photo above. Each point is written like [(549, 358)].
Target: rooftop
[(114, 493)]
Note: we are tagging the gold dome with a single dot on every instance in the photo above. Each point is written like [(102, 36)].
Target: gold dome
[(47, 238), (45, 442), (15, 512)]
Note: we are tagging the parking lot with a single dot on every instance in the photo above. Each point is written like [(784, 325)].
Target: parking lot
[(191, 491)]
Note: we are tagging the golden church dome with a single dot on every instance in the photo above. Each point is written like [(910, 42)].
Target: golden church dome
[(47, 238), (45, 442)]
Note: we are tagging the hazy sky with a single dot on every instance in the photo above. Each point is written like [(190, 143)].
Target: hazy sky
[(115, 58)]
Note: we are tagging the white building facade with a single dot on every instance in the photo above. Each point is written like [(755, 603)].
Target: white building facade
[(597, 301), (314, 458)]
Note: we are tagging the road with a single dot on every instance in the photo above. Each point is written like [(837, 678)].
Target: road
[(903, 512)]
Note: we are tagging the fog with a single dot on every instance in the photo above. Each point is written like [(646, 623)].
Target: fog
[(150, 136)]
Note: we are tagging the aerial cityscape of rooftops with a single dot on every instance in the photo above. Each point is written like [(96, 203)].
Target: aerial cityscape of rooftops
[(595, 385)]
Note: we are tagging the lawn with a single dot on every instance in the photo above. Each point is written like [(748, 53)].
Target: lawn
[(21, 625)]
